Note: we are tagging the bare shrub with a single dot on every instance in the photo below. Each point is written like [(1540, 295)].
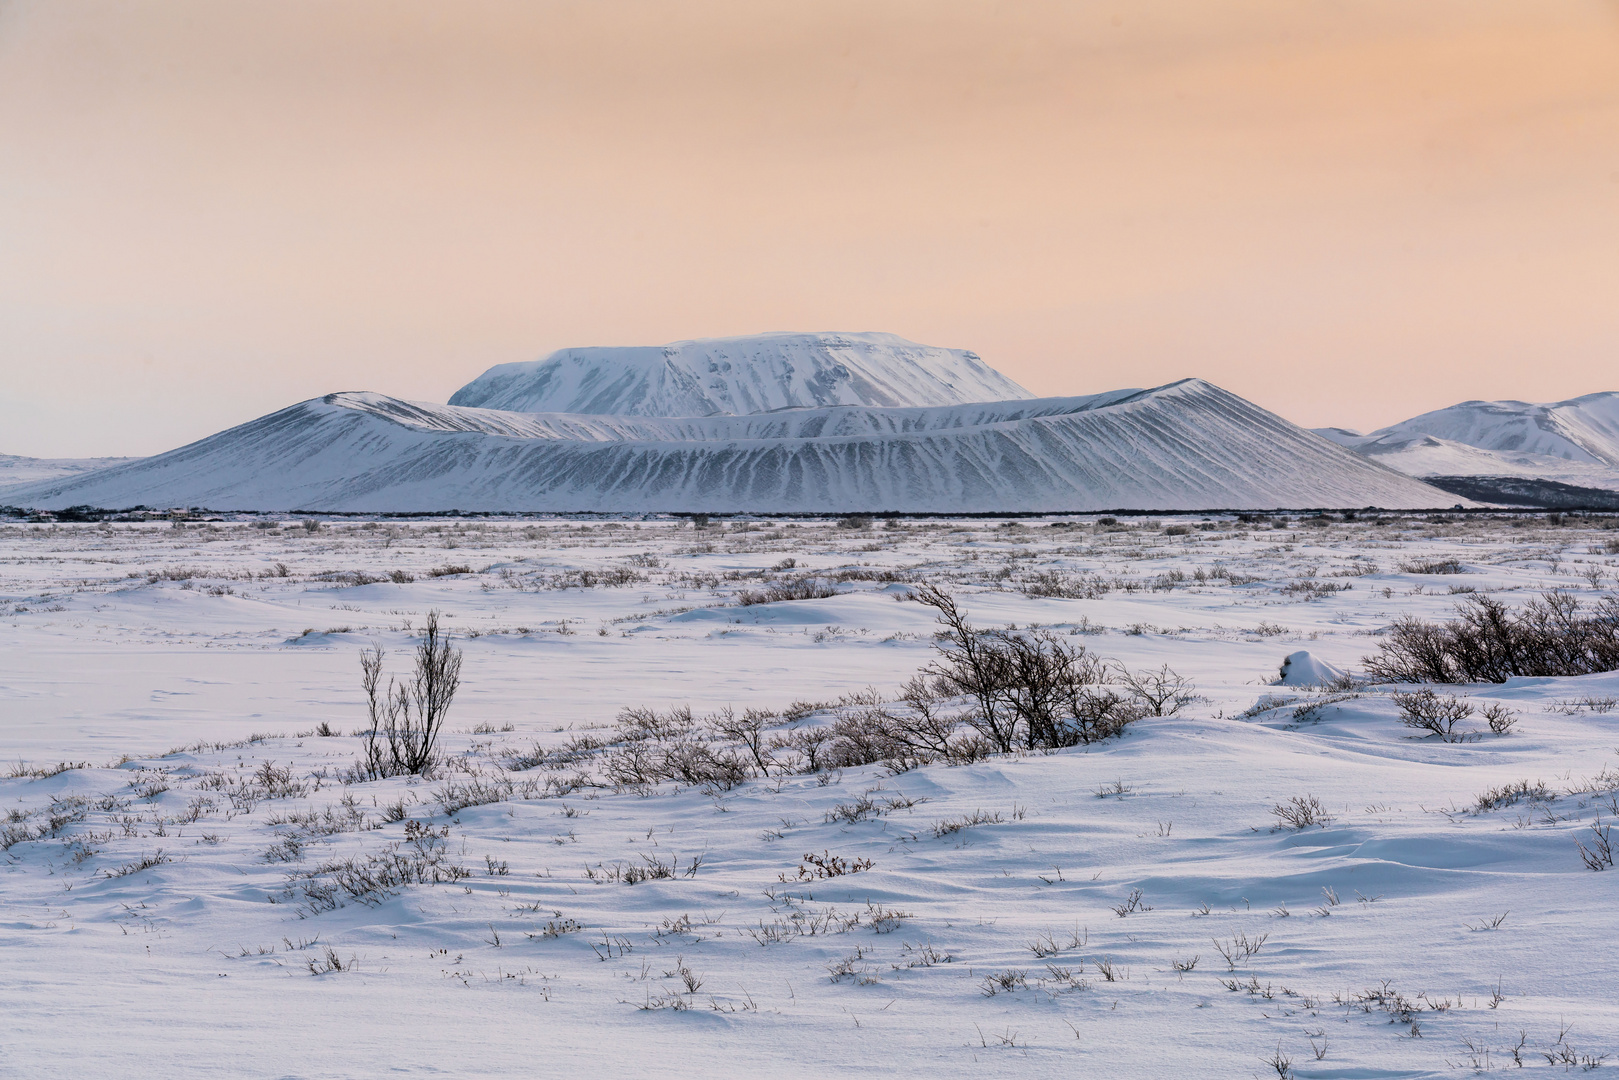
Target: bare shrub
[(1500, 718), (1599, 856), (1436, 714), (458, 795), (1239, 948), (1511, 794), (1301, 812), (1131, 904), (1050, 583), (1431, 566), (637, 724), (1030, 688), (951, 826), (699, 762), (1161, 692), (826, 865), (802, 588), (1486, 642), (1003, 982), (329, 961), (406, 718), (750, 730), (370, 878)]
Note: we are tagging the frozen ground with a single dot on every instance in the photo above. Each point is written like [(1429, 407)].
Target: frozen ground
[(173, 820)]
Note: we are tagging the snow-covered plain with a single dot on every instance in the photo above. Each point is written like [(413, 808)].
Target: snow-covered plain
[(160, 686)]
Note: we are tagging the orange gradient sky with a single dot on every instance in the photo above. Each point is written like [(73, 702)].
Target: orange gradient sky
[(1349, 212)]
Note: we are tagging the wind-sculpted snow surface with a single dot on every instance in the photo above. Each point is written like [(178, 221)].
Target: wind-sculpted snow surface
[(728, 376), (1189, 445), (198, 878)]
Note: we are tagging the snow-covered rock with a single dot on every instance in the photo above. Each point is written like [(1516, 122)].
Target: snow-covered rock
[(731, 376), (1186, 446), (1303, 668)]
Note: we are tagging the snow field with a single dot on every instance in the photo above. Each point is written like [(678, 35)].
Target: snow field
[(158, 919)]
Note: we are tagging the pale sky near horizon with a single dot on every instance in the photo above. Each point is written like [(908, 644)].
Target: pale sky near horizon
[(1348, 212)]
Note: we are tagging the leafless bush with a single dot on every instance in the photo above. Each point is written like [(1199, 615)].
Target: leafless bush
[(1436, 714), (1599, 856), (371, 878), (1239, 948), (1589, 703), (1511, 794), (637, 724), (1301, 812), (1161, 692), (145, 862), (751, 730), (1311, 589), (1282, 1063), (329, 961), (826, 865), (1077, 587), (460, 794), (1030, 688), (922, 727), (406, 718), (702, 763), (1131, 904), (1549, 636), (1431, 566), (802, 588), (1003, 982), (951, 826), (1500, 718)]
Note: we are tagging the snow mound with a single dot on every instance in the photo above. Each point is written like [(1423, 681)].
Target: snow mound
[(1186, 446), (1304, 668), (733, 376)]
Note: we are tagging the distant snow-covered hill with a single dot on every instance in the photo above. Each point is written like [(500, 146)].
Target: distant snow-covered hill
[(16, 470), (1188, 445), (732, 376), (1574, 442)]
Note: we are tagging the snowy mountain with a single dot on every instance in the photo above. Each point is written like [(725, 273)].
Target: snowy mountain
[(731, 376), (1574, 442), (25, 470), (1188, 445)]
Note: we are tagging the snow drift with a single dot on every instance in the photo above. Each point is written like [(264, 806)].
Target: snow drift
[(731, 376), (1188, 445)]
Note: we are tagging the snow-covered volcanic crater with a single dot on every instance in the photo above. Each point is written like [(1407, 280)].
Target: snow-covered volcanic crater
[(781, 423), (734, 376)]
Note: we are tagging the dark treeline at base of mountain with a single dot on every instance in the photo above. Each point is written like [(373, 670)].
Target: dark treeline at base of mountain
[(1523, 491)]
